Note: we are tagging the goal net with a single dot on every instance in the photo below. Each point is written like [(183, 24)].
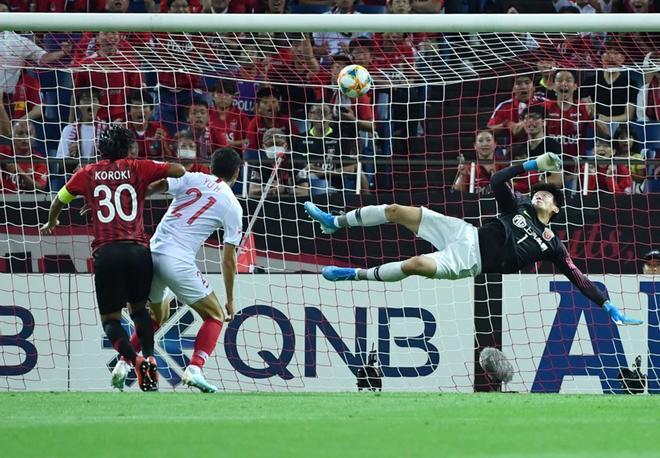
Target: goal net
[(444, 112)]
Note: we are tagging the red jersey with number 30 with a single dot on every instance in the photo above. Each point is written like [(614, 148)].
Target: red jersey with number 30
[(115, 192)]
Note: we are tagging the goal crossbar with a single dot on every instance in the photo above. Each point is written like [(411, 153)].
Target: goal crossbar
[(47, 22)]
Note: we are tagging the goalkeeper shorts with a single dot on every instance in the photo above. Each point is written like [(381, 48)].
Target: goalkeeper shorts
[(183, 278), (457, 243)]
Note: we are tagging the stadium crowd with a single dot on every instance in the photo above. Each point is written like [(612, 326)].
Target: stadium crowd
[(59, 91)]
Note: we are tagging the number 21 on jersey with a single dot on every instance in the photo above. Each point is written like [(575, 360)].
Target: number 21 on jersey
[(177, 212)]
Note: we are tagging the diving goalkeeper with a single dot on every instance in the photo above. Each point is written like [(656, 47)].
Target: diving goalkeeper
[(519, 237)]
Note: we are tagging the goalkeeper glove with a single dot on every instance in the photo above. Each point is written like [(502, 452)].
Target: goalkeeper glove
[(546, 162), (617, 316)]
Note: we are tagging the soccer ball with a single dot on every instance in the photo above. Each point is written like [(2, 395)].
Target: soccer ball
[(354, 81)]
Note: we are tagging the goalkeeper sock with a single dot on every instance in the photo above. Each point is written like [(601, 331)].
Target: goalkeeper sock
[(135, 342), (371, 215), (145, 331), (387, 272), (206, 340), (119, 340)]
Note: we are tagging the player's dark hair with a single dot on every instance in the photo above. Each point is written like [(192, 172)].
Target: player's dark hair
[(142, 97), (528, 76), (536, 109), (565, 70), (557, 195), (226, 87), (266, 92), (198, 101), (225, 163), (115, 142), (91, 94)]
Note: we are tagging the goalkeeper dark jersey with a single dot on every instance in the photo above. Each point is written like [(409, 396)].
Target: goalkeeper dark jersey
[(517, 238)]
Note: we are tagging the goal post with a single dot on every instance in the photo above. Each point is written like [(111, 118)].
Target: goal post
[(447, 109)]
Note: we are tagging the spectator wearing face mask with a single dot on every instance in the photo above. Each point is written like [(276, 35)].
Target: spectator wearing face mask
[(186, 152), (275, 144)]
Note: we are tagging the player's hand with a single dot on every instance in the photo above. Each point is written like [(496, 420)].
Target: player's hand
[(548, 162), (618, 317), (229, 306), (48, 228)]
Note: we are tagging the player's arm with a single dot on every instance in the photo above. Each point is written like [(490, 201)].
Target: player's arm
[(62, 198), (157, 187), (228, 274), (175, 170), (565, 265), (547, 162)]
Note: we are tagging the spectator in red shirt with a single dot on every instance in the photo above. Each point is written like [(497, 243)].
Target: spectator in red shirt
[(357, 111), (275, 7), (506, 117), (295, 67), (114, 85), (186, 152), (176, 90), (612, 178), (484, 145), (87, 44), (226, 117), (54, 6), (267, 116), (23, 174), (151, 140), (567, 120), (230, 6), (177, 6), (25, 102), (536, 144), (208, 137), (427, 6)]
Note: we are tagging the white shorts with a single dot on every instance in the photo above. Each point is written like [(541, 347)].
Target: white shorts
[(457, 243), (183, 278)]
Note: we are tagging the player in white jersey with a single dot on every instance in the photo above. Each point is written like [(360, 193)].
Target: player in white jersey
[(202, 204)]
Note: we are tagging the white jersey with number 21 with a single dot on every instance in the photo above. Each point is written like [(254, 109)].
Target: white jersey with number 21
[(202, 204)]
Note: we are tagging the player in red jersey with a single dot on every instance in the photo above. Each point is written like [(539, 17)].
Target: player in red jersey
[(115, 189)]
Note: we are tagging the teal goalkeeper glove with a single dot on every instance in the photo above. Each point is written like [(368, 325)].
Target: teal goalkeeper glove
[(546, 162), (618, 317)]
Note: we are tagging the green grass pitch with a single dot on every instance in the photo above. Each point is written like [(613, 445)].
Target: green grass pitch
[(327, 425)]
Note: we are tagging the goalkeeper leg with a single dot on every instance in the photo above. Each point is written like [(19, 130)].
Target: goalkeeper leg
[(371, 215), (424, 266)]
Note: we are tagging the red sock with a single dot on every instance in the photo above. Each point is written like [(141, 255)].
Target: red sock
[(207, 338), (135, 342)]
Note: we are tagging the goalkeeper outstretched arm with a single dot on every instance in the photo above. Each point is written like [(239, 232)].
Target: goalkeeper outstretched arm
[(506, 200)]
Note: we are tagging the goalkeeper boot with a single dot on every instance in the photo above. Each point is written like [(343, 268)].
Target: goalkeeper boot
[(119, 374), (326, 220), (193, 377), (332, 273)]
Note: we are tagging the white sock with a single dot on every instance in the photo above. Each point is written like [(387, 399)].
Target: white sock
[(387, 272), (371, 215)]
